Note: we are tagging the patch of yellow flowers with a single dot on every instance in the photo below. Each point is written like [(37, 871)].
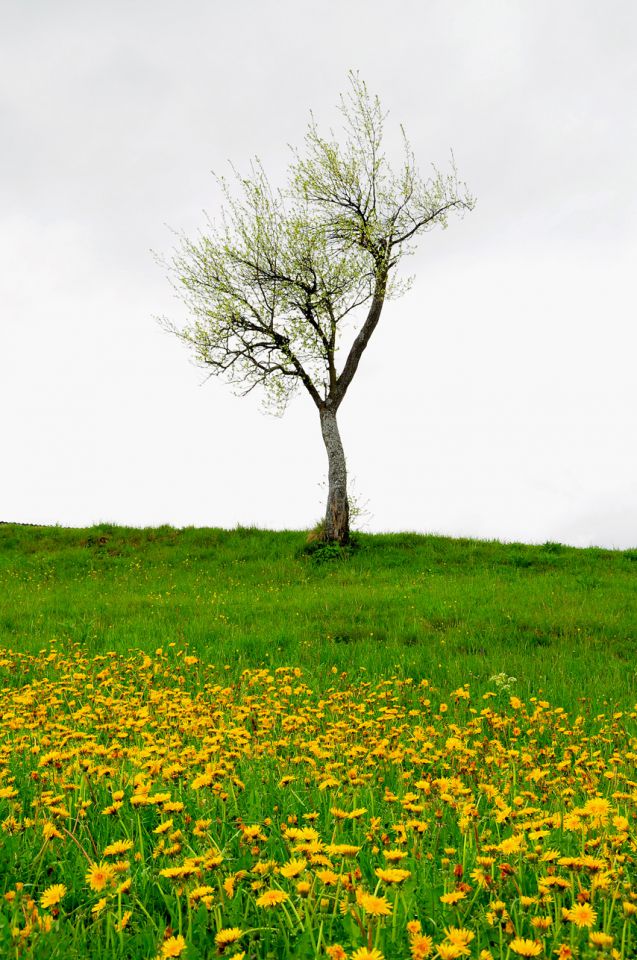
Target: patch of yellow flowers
[(155, 807)]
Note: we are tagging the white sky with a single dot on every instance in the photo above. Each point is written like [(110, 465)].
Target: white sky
[(496, 399)]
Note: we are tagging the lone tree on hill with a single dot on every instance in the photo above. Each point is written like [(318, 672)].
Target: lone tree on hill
[(271, 289)]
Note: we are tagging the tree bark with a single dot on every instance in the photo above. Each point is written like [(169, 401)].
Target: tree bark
[(337, 512)]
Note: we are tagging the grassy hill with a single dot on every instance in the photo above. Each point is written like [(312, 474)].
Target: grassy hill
[(562, 621)]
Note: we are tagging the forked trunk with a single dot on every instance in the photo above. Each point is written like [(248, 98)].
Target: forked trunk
[(337, 513)]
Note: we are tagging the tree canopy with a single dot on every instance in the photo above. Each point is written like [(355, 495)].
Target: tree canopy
[(272, 287)]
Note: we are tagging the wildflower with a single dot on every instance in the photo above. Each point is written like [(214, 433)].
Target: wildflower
[(449, 951), (392, 875), (52, 895), (118, 848), (526, 948), (173, 947), (293, 868), (303, 888), (375, 906), (49, 831), (336, 952), (272, 898), (198, 892), (582, 915), (420, 946), (600, 940), (460, 937), (451, 899), (228, 886), (511, 845), (364, 953), (99, 906), (230, 935), (99, 875), (394, 855), (124, 921)]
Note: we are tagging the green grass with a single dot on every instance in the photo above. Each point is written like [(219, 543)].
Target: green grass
[(561, 620)]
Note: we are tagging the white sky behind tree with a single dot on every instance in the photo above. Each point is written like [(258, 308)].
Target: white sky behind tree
[(502, 386)]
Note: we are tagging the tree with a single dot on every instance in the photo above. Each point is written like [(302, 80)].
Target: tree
[(271, 289)]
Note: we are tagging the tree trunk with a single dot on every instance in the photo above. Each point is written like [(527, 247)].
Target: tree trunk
[(337, 513)]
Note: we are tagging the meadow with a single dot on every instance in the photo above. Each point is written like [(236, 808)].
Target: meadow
[(214, 744)]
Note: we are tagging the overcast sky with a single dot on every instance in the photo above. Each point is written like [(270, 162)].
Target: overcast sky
[(497, 399)]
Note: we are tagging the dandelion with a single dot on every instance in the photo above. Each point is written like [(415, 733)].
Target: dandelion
[(450, 899), (449, 951), (272, 898), (172, 947), (421, 946), (230, 935), (52, 895), (49, 831), (526, 948), (293, 868), (460, 937), (392, 875), (118, 848), (364, 953), (600, 940), (375, 906), (99, 875), (582, 915), (336, 952)]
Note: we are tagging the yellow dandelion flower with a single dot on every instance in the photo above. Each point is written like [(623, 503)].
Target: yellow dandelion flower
[(392, 875), (582, 915), (99, 906), (364, 953), (272, 898), (526, 948), (49, 831), (228, 886), (600, 940), (336, 952), (392, 856), (99, 875), (172, 947), (293, 868), (375, 906), (421, 946), (118, 848), (230, 935), (52, 895), (459, 935), (449, 951), (452, 898)]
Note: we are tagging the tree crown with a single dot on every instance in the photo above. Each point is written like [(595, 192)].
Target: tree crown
[(270, 289)]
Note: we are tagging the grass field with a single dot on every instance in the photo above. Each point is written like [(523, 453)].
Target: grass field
[(560, 620), (213, 745)]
